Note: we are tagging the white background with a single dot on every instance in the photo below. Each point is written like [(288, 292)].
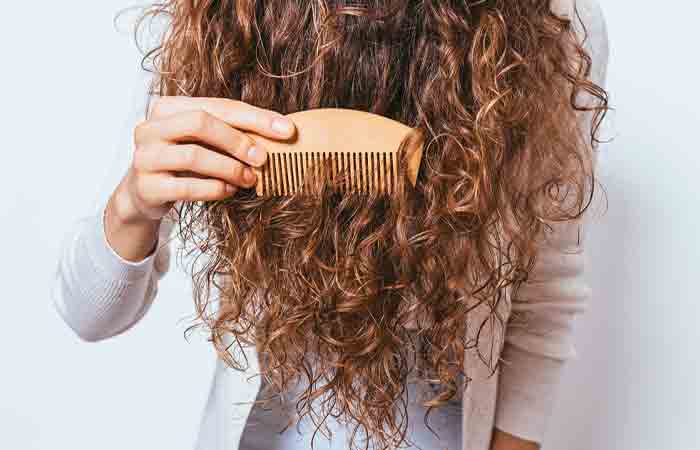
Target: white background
[(68, 78)]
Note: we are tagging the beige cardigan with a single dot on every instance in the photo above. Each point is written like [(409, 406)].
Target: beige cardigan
[(518, 399), (100, 295)]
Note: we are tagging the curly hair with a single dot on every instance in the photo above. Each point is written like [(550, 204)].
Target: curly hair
[(327, 286)]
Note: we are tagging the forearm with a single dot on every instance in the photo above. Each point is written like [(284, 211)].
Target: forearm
[(98, 292), (504, 441)]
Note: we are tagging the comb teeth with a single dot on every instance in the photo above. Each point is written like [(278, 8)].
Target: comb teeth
[(364, 171)]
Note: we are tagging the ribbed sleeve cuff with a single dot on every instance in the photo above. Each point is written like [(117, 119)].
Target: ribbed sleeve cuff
[(108, 260), (526, 393)]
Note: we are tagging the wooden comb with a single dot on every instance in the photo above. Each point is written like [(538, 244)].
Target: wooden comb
[(363, 148)]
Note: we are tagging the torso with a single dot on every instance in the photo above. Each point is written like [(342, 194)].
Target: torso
[(275, 426)]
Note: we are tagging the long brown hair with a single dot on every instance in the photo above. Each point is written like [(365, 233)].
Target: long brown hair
[(324, 285)]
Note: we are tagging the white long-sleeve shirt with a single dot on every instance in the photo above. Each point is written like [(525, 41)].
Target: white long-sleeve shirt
[(100, 295)]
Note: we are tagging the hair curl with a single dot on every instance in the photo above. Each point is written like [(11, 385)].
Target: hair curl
[(326, 286)]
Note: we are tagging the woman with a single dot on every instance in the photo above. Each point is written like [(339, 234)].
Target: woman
[(510, 94)]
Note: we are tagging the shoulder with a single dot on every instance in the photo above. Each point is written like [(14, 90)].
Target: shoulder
[(589, 11)]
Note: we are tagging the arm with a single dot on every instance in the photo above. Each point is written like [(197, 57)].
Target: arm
[(97, 292), (108, 271), (534, 353), (555, 292), (111, 260)]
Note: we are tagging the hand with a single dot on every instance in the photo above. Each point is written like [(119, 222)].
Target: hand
[(505, 441), (192, 149)]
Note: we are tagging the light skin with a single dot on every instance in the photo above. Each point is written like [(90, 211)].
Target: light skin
[(189, 149), (500, 440), (196, 149)]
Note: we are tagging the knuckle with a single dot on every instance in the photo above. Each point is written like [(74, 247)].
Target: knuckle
[(141, 130), (159, 106), (226, 102), (140, 159), (184, 190), (220, 189), (141, 188), (189, 155), (234, 103), (200, 121)]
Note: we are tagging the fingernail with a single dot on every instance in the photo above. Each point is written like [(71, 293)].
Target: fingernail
[(282, 125), (256, 155)]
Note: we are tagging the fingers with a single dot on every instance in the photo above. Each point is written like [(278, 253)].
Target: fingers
[(196, 159), (160, 188), (235, 113), (202, 127), (197, 149)]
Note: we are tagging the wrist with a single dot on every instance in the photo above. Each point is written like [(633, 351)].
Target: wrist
[(506, 441), (124, 209), (130, 234)]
